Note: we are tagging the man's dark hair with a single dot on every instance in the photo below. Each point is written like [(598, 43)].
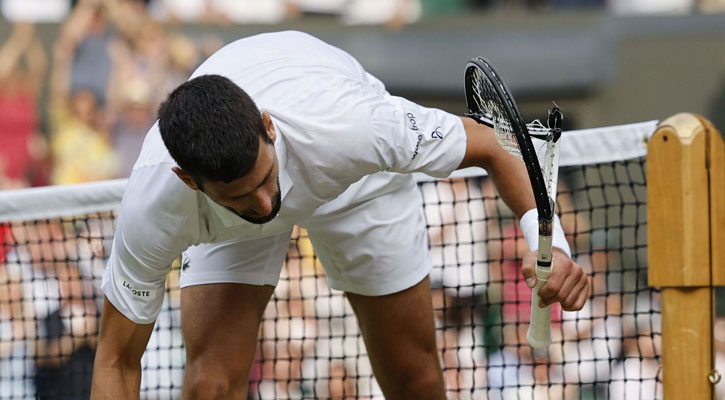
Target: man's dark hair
[(211, 127)]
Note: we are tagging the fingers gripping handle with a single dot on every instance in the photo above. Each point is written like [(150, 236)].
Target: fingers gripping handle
[(539, 334)]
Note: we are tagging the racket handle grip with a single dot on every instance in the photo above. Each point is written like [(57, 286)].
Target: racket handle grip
[(539, 334)]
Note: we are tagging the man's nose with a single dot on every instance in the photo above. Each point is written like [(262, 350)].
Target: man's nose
[(263, 202)]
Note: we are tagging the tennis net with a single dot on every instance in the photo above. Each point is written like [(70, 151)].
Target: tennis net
[(54, 242)]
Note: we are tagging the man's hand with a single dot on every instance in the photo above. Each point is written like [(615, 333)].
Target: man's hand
[(567, 284)]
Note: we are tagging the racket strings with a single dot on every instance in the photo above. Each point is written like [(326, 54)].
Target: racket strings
[(490, 110)]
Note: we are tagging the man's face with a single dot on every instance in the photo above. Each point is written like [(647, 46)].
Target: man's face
[(255, 197)]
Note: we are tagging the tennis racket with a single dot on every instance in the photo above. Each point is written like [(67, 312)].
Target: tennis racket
[(491, 103)]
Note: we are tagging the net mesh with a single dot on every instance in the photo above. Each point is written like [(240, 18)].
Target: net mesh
[(309, 343)]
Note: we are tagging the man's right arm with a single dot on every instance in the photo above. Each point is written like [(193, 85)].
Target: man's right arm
[(117, 368)]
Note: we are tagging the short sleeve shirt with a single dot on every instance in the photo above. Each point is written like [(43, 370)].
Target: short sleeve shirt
[(341, 139)]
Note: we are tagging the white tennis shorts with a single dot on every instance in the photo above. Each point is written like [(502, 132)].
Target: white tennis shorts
[(374, 247)]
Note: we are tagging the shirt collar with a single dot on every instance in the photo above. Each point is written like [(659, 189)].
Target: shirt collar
[(228, 218)]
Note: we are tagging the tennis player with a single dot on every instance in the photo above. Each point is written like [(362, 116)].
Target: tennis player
[(281, 129)]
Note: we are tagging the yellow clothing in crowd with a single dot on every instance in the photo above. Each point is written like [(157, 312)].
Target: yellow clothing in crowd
[(80, 152)]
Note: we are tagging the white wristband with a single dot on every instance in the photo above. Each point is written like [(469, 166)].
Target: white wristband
[(530, 227)]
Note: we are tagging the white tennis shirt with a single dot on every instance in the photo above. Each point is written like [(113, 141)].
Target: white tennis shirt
[(341, 139)]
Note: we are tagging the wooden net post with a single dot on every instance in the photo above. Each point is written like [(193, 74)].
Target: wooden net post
[(685, 217)]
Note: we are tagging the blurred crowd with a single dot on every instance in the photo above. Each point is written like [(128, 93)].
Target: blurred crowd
[(77, 109), (110, 66), (392, 12)]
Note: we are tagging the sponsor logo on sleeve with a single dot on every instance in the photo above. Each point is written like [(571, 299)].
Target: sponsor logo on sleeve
[(137, 292), (414, 127), (412, 121), (437, 134)]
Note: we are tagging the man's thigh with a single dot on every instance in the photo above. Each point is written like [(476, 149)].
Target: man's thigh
[(225, 289), (220, 323), (399, 335)]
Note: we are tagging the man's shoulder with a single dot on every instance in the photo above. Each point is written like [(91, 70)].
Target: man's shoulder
[(155, 194), (153, 152)]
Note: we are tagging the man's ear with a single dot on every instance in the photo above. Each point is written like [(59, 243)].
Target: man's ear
[(186, 178), (269, 125)]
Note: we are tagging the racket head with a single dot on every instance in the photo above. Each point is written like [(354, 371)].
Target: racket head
[(491, 103), (484, 84)]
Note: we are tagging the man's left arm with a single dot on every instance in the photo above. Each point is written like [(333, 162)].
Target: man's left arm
[(568, 284)]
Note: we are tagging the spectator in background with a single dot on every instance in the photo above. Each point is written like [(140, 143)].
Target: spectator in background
[(129, 129), (516, 370), (392, 13), (145, 64), (86, 38), (22, 67), (144, 56), (67, 340), (593, 335), (209, 44), (251, 11), (454, 211), (333, 359), (59, 307), (16, 332), (324, 7), (186, 11), (80, 143), (6, 241), (184, 57), (288, 330), (36, 11), (289, 327)]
